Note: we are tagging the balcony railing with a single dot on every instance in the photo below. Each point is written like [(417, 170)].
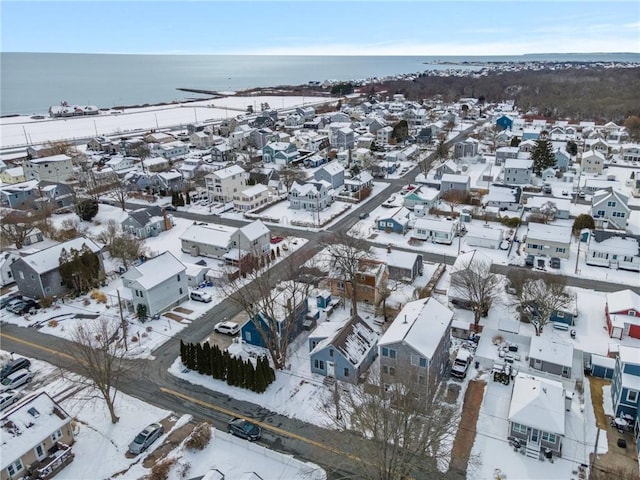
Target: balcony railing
[(54, 462)]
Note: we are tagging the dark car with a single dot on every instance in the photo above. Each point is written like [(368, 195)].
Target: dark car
[(5, 300), (529, 261), (145, 438), (363, 215), (171, 208), (14, 366), (244, 429), (26, 305)]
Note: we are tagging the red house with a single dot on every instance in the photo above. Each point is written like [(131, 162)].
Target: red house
[(623, 314)]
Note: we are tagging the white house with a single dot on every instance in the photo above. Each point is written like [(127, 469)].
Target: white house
[(517, 171), (613, 249), (485, 236), (548, 240), (170, 150), (543, 205), (159, 284), (6, 259), (592, 162), (57, 168), (609, 209), (451, 181), (208, 240), (312, 196), (251, 198), (433, 230), (254, 237), (223, 184)]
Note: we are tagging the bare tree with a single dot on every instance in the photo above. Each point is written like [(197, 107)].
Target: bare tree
[(539, 298), (60, 147), (17, 225), (475, 287), (273, 306), (291, 173), (119, 192), (398, 432), (345, 254), (128, 248), (454, 198), (100, 359)]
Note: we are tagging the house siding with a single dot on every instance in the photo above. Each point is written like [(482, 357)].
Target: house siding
[(163, 296)]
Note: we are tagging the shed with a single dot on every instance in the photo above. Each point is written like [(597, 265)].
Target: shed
[(602, 367)]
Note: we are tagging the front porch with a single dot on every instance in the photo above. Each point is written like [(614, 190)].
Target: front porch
[(59, 456)]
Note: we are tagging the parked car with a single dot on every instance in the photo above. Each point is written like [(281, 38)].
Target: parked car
[(201, 297), (276, 239), (171, 208), (461, 363), (554, 262), (145, 438), (16, 379), (6, 299), (8, 398), (14, 366), (226, 327), (529, 260), (13, 301), (25, 305), (363, 215), (245, 429)]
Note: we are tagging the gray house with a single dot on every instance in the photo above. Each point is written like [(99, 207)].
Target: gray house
[(403, 266), (504, 153), (466, 148), (417, 343), (609, 209), (158, 284), (347, 354), (551, 357), (38, 275), (548, 240), (332, 172), (454, 182), (517, 171), (146, 222), (313, 196)]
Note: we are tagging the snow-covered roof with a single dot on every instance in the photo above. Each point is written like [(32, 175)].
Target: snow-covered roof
[(400, 259), (601, 196), (155, 271), (629, 354), (433, 225), (354, 341), (538, 201), (538, 403), (474, 256), (49, 258), (254, 230), (28, 425), (612, 241), (455, 178), (421, 325), (623, 300), (518, 163), (552, 352), (488, 233), (333, 168), (498, 193), (227, 172), (210, 234), (254, 190), (553, 233)]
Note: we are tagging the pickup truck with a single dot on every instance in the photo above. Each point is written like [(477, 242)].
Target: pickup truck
[(461, 363)]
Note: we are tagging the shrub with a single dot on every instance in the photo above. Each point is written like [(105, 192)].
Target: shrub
[(160, 470), (199, 437), (53, 323), (46, 302), (511, 222)]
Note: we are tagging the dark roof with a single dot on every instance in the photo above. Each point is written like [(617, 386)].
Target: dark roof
[(602, 235), (143, 215)]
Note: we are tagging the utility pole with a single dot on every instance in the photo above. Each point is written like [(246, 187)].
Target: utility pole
[(122, 322)]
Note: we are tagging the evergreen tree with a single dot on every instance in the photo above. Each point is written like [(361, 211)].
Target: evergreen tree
[(206, 359), (231, 371), (141, 312), (260, 382), (174, 199), (188, 198), (542, 155), (250, 376), (572, 148), (199, 358), (183, 352)]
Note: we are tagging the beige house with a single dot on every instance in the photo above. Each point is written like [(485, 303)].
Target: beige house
[(36, 439), (13, 175), (251, 198), (548, 240), (592, 162), (224, 184), (57, 168)]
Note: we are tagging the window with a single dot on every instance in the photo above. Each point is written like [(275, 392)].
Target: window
[(517, 428), (632, 396), (392, 371), (39, 452), (331, 352), (56, 435), (14, 468), (423, 362), (392, 353), (560, 250), (385, 369), (565, 371), (415, 360), (548, 437), (611, 204), (180, 290), (385, 352), (21, 275), (346, 372), (179, 280), (321, 364)]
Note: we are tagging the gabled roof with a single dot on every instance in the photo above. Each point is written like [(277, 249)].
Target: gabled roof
[(553, 233), (28, 425), (433, 224), (210, 234), (474, 256), (605, 195), (155, 271), (354, 341), (552, 352), (228, 172), (333, 168), (623, 300), (421, 325), (518, 163), (49, 258), (538, 403), (621, 243), (145, 215), (254, 230), (455, 178)]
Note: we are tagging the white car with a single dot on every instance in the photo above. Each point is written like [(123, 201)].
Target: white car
[(8, 398), (16, 379), (226, 327), (201, 297)]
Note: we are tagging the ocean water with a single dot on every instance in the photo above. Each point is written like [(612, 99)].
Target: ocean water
[(31, 82)]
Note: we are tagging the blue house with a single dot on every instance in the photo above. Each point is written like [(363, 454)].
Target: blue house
[(287, 310), (323, 299), (504, 122), (397, 222), (625, 387), (562, 159), (347, 354)]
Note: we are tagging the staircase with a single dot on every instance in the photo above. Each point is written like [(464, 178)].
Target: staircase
[(532, 450), (328, 381)]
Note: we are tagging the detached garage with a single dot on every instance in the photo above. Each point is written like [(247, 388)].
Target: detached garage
[(602, 367)]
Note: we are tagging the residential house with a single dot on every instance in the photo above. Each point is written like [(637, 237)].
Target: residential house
[(158, 284), (57, 168), (281, 153), (592, 162), (622, 312), (223, 184), (166, 182), (403, 266), (472, 259), (485, 237), (221, 153), (396, 222), (552, 208), (6, 260), (40, 151), (548, 240), (118, 163), (239, 137), (359, 183), (504, 122), (308, 112), (630, 152), (537, 414), (383, 135), (503, 197), (347, 354), (254, 237), (416, 344), (102, 144), (146, 222), (190, 167), (286, 312), (19, 195), (259, 137), (333, 173), (449, 167), (517, 171), (613, 249), (201, 140), (38, 275), (425, 197), (466, 148), (551, 357), (13, 175), (250, 198), (208, 240), (505, 153), (155, 164), (343, 138), (625, 385), (424, 136), (460, 183), (596, 144), (311, 196), (371, 280), (434, 230), (563, 159), (159, 137), (37, 436), (609, 209)]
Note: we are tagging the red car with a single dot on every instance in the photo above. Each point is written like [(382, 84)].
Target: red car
[(276, 239)]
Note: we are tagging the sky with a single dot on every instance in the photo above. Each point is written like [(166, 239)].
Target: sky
[(329, 27)]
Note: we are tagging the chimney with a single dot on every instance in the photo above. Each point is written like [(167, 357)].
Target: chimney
[(388, 248), (167, 222), (405, 319)]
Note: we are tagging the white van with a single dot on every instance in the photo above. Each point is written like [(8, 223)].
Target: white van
[(201, 297)]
